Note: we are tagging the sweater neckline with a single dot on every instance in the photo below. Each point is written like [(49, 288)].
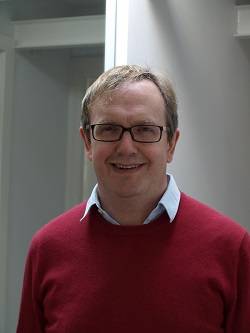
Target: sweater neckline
[(96, 222)]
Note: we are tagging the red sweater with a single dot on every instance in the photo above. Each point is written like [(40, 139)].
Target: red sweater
[(188, 276)]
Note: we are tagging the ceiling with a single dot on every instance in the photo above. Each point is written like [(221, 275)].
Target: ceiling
[(36, 9), (242, 2)]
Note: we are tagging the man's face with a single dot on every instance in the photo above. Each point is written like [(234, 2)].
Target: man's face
[(129, 169)]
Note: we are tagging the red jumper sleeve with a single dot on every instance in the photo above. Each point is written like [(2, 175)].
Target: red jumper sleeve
[(31, 314), (239, 318)]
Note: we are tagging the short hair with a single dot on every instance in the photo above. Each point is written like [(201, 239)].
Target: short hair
[(114, 78)]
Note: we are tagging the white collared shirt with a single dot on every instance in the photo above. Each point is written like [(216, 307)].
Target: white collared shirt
[(169, 202)]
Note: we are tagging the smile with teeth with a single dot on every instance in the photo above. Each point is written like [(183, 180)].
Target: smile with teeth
[(126, 166)]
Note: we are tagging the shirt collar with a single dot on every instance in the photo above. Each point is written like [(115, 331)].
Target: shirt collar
[(171, 198), (169, 201)]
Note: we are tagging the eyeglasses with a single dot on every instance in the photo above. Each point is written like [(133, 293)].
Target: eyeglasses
[(139, 133)]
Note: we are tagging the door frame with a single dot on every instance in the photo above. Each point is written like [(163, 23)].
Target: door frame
[(116, 33), (6, 93)]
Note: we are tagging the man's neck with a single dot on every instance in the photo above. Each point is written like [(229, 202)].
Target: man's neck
[(129, 211)]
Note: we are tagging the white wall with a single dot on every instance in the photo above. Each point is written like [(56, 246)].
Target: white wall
[(38, 157), (80, 175), (6, 28), (6, 84), (193, 42)]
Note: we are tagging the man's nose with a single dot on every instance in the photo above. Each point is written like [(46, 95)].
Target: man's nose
[(126, 144)]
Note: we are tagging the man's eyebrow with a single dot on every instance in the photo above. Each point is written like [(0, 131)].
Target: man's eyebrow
[(146, 122), (139, 122), (108, 122)]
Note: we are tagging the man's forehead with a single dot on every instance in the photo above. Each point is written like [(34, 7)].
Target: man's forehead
[(135, 88)]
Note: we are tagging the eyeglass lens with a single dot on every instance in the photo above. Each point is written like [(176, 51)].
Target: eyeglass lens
[(110, 132)]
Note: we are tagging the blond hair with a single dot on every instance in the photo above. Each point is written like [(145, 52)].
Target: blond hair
[(112, 79)]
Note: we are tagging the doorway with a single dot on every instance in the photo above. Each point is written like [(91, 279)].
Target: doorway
[(48, 172)]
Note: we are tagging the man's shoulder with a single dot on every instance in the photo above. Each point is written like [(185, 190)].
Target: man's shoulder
[(203, 217), (62, 226)]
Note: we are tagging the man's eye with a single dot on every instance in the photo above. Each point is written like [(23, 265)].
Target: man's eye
[(145, 129), (108, 129)]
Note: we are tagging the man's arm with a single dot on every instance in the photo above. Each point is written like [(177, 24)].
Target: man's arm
[(239, 317), (30, 315)]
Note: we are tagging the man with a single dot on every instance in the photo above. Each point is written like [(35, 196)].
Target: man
[(139, 255)]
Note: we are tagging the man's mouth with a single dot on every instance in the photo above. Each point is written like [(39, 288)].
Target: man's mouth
[(121, 166)]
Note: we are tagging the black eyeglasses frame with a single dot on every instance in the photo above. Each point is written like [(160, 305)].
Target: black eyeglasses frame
[(128, 129)]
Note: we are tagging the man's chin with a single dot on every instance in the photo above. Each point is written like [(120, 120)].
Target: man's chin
[(123, 192), (126, 194)]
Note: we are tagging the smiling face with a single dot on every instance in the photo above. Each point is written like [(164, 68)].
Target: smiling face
[(129, 169)]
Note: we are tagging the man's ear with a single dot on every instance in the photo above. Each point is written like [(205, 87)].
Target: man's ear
[(172, 145), (87, 142)]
